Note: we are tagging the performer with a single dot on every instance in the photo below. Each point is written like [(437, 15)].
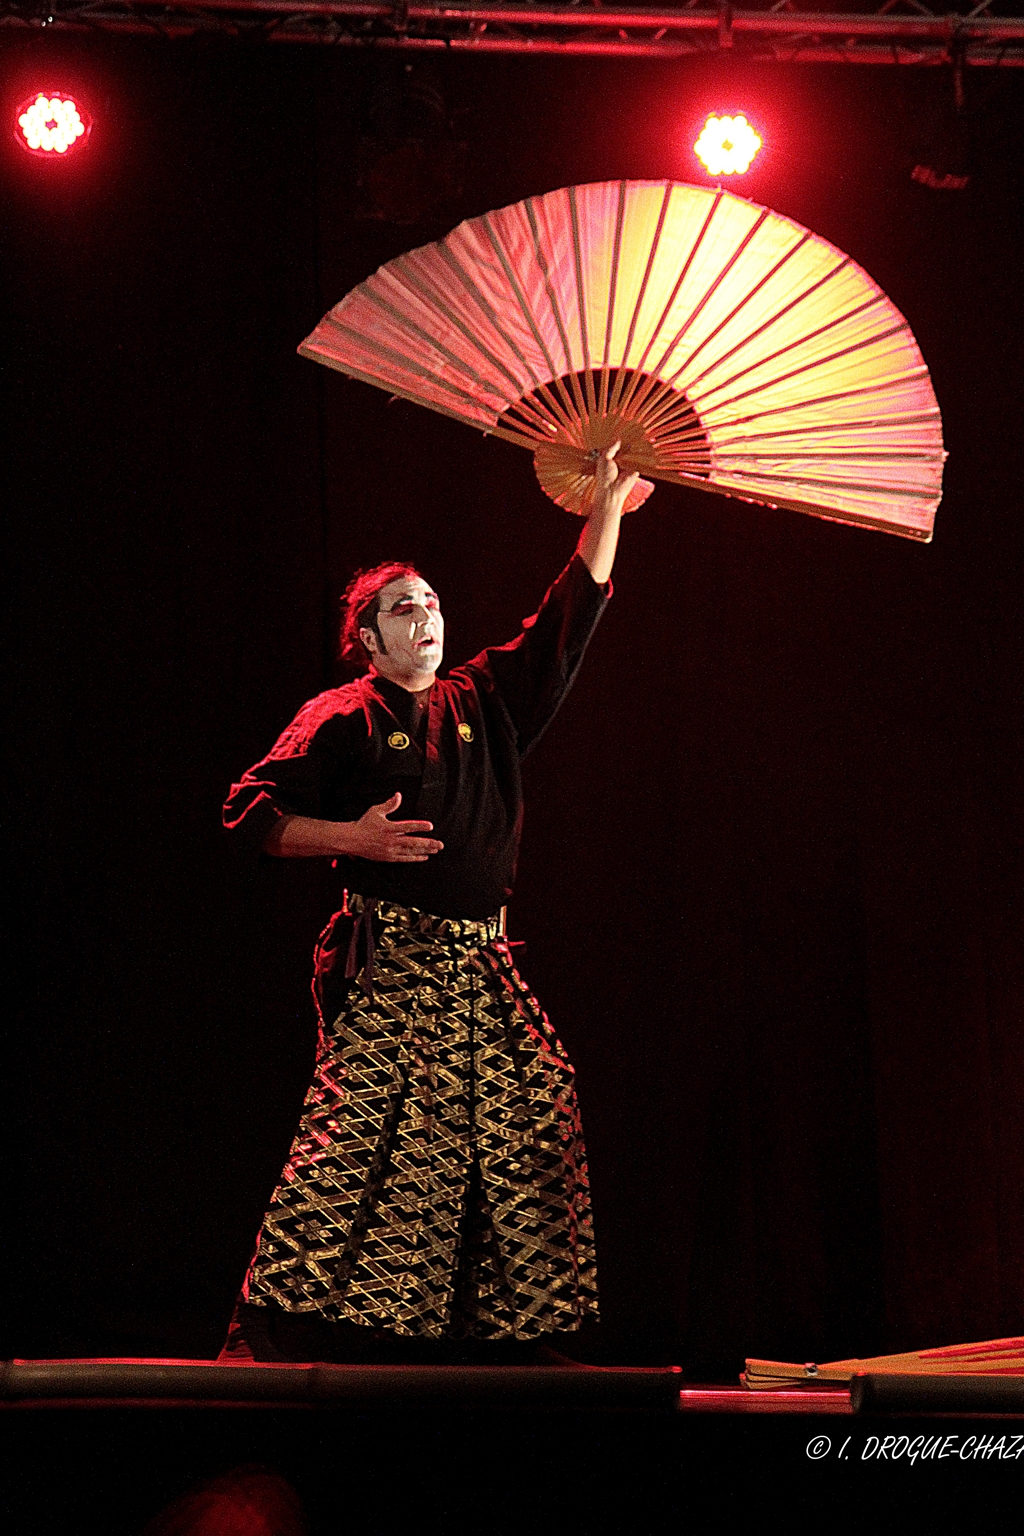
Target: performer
[(437, 1187)]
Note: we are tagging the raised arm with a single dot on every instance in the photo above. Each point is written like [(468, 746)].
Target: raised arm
[(600, 537), (533, 673)]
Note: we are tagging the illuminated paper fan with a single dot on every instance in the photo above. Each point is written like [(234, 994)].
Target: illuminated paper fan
[(728, 348)]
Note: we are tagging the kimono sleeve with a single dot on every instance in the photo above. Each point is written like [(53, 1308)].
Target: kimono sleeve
[(296, 775), (534, 672)]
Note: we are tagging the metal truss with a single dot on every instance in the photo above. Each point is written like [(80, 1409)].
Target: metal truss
[(913, 36)]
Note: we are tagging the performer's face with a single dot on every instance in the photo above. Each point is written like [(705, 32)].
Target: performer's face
[(411, 634)]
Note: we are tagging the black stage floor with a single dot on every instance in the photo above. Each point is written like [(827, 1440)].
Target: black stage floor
[(447, 1449)]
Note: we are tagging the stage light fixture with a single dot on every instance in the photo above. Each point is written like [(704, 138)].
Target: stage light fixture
[(51, 124), (727, 145)]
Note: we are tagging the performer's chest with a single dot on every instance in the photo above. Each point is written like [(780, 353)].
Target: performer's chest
[(449, 751)]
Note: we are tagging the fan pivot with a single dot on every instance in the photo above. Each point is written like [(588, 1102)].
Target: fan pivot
[(566, 466)]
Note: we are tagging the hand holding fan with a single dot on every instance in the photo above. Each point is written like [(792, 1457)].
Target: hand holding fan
[(727, 347)]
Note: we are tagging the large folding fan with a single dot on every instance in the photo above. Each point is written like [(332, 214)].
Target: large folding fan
[(727, 347)]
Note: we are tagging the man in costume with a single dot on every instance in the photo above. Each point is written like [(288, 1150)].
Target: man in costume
[(435, 1201)]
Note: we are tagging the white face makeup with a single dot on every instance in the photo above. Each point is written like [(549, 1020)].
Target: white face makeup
[(412, 630)]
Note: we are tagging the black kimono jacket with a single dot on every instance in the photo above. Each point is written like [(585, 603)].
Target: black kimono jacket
[(456, 761)]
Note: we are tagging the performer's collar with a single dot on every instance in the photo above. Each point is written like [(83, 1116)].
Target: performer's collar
[(395, 696)]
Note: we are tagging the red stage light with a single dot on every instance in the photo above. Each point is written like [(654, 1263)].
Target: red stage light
[(727, 145), (51, 124)]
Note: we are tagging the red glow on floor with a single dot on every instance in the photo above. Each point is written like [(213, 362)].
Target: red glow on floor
[(51, 125)]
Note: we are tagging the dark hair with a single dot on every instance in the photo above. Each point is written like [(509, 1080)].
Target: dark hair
[(360, 604)]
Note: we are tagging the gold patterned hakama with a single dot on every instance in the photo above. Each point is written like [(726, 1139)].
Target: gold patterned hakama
[(437, 1185)]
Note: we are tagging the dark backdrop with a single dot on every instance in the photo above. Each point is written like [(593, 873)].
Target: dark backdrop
[(770, 882)]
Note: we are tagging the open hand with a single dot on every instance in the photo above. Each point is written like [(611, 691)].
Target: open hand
[(391, 842)]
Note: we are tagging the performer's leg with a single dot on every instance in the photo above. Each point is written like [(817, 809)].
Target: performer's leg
[(236, 1349), (269, 1334), (520, 1237)]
